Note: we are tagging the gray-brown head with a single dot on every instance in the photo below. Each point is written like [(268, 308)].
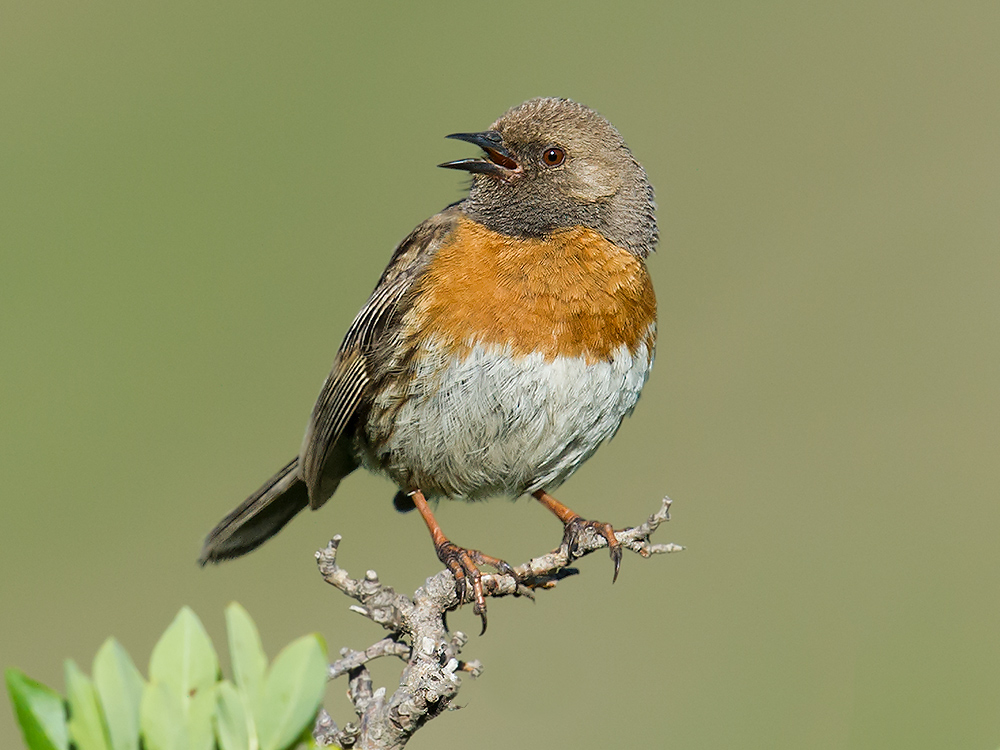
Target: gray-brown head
[(552, 164)]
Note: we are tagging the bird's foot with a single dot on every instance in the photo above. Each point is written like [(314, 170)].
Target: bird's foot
[(576, 529), (464, 566)]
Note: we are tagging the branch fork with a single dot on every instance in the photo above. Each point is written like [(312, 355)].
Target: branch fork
[(419, 635)]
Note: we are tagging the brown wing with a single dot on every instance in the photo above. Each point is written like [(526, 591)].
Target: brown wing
[(325, 457)]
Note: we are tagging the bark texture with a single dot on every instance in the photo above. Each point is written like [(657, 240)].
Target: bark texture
[(419, 636)]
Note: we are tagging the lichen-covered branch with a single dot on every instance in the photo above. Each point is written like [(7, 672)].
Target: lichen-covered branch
[(430, 681)]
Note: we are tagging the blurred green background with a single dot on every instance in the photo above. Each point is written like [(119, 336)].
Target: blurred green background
[(195, 198)]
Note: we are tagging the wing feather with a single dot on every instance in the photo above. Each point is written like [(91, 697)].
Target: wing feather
[(346, 388)]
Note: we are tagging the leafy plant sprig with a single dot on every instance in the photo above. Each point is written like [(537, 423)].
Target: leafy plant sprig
[(185, 704)]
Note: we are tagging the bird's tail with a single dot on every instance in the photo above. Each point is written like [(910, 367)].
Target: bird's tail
[(259, 517)]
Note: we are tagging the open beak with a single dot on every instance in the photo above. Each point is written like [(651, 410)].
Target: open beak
[(498, 162)]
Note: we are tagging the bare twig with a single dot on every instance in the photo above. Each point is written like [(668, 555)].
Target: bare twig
[(429, 682), (350, 660)]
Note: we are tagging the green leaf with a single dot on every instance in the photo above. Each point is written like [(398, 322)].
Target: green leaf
[(246, 653), (184, 658), (162, 719), (201, 708), (292, 692), (233, 723), (40, 712), (86, 721), (168, 724), (119, 687), (184, 662)]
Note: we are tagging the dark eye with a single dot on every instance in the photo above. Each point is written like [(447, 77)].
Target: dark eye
[(553, 156)]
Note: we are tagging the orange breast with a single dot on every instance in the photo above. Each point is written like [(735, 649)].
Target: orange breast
[(571, 294)]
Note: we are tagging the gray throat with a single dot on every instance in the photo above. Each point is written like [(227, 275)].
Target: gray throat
[(627, 218)]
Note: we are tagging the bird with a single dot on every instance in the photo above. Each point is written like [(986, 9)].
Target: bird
[(506, 340)]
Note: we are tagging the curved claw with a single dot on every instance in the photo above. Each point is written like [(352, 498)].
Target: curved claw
[(576, 528), (464, 566), (616, 556)]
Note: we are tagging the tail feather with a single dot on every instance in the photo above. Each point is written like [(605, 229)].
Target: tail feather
[(259, 517)]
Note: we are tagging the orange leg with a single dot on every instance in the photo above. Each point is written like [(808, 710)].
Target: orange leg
[(574, 526), (463, 563)]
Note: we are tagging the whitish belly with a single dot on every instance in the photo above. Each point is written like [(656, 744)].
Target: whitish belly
[(494, 424)]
